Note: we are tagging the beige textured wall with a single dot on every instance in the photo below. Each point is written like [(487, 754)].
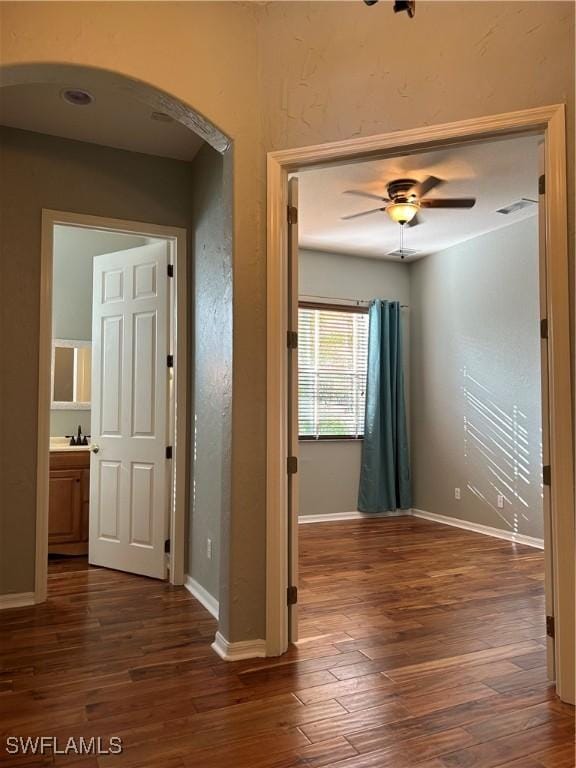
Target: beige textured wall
[(336, 70), (287, 74)]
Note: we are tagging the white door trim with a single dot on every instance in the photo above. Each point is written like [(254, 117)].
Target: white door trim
[(548, 121), (177, 240)]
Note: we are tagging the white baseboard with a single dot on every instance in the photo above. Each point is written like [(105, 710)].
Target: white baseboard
[(17, 600), (350, 516), (246, 649), (486, 530), (202, 595)]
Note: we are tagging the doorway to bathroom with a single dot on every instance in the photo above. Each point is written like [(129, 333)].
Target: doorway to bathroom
[(112, 402)]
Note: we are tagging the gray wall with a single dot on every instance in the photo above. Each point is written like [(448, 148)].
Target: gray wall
[(74, 249), (476, 398), (330, 470), (46, 172), (212, 355), (66, 422)]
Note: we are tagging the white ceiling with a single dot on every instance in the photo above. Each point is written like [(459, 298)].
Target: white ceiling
[(113, 120), (496, 173)]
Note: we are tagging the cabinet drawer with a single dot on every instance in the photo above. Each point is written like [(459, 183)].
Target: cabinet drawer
[(69, 459)]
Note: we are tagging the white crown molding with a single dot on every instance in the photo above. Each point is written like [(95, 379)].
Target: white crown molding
[(334, 516), (202, 595), (245, 649), (17, 600), (486, 530)]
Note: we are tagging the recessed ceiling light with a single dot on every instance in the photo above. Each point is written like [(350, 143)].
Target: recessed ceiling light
[(77, 97), (161, 117)]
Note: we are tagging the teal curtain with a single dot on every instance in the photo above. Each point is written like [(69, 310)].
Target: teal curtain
[(385, 469)]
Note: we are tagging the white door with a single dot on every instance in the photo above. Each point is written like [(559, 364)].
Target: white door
[(128, 470), (293, 485)]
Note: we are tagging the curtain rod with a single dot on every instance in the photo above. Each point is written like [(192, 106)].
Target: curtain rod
[(350, 301)]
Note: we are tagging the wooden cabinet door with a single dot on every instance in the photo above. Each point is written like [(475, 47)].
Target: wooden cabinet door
[(65, 518)]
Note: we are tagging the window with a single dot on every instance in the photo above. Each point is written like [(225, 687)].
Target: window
[(332, 359)]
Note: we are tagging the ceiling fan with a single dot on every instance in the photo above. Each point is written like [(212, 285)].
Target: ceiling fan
[(406, 197)]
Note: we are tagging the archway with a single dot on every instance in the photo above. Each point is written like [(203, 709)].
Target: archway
[(28, 529)]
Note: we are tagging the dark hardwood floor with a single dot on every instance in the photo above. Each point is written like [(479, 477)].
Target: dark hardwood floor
[(422, 647)]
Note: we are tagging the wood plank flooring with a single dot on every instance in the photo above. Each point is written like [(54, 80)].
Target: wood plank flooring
[(422, 647)]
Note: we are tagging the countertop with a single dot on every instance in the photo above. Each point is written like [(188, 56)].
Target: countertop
[(63, 444)]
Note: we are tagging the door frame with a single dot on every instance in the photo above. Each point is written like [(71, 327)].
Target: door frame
[(548, 121), (176, 237)]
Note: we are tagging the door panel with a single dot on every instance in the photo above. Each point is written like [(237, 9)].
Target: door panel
[(143, 395), (109, 501), (142, 507), (111, 374), (129, 478)]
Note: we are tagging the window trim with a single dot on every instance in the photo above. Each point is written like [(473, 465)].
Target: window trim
[(329, 438), (327, 306), (358, 310)]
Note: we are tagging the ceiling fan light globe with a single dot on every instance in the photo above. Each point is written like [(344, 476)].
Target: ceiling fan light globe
[(402, 213)]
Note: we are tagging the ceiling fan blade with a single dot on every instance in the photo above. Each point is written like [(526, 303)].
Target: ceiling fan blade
[(360, 193), (364, 213), (414, 222), (449, 202), (428, 184)]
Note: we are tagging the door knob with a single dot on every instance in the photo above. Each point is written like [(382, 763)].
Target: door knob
[(94, 448)]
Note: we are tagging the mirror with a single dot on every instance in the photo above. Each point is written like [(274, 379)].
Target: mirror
[(71, 374)]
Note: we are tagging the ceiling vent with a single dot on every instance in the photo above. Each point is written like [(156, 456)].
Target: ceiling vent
[(402, 253), (524, 202)]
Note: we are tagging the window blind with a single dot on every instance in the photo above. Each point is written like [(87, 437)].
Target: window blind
[(332, 360)]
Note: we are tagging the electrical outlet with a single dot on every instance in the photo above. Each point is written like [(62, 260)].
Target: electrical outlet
[(500, 501), (457, 493), (209, 549)]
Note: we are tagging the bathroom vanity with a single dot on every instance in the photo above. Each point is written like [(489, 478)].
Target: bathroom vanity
[(69, 499)]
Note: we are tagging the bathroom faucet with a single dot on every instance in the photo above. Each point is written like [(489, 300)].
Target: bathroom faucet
[(79, 439)]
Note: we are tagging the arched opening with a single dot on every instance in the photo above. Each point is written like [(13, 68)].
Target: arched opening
[(128, 153)]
